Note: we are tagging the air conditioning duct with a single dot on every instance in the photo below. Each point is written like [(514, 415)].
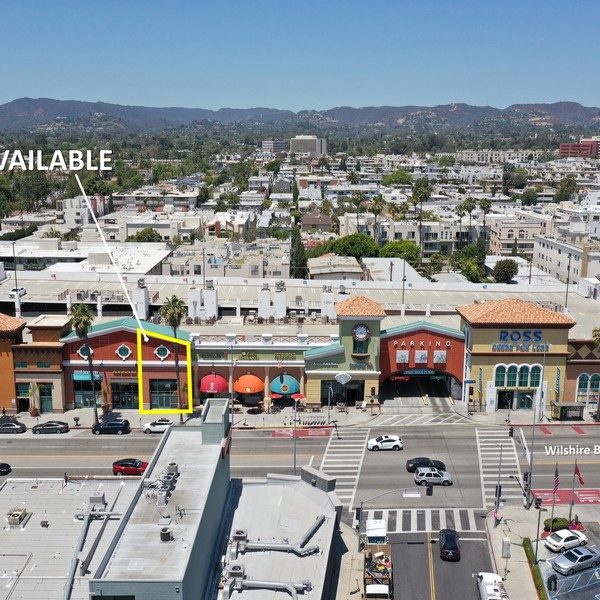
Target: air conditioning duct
[(173, 469)]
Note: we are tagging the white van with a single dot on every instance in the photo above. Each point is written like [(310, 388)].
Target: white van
[(491, 587)]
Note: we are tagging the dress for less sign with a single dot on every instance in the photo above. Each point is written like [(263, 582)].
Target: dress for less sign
[(520, 340)]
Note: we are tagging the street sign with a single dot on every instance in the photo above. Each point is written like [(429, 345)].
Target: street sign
[(437, 377), (470, 381)]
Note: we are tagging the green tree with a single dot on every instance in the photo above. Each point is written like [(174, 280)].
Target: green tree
[(82, 318), (529, 197), (298, 262), (32, 189), (469, 206), (421, 192), (173, 311), (358, 245), (145, 235), (343, 165), (274, 166), (402, 249), (353, 178), (357, 199), (505, 270), (52, 233), (485, 204), (203, 195), (377, 206), (399, 177), (460, 213), (567, 188)]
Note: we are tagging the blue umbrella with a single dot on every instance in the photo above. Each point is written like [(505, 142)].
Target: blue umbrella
[(285, 384)]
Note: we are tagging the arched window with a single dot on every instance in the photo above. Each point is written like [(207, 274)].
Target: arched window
[(524, 376), (534, 380), (511, 376), (500, 379), (583, 383), (594, 388), (522, 234), (511, 234)]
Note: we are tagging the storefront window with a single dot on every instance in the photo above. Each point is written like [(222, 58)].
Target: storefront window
[(594, 388), (511, 379), (534, 381), (523, 376), (500, 376), (124, 395), (360, 347), (163, 393), (85, 391)]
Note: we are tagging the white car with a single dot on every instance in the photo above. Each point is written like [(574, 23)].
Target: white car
[(20, 291), (564, 539), (385, 442), (158, 426)]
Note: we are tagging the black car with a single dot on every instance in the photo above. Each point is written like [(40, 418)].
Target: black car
[(12, 427), (449, 545), (51, 427), (118, 426), (412, 464), (5, 469)]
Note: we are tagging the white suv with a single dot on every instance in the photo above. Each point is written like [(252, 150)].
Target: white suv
[(20, 291), (426, 475)]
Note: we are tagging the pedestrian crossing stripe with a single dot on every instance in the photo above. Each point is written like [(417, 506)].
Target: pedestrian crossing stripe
[(418, 520)]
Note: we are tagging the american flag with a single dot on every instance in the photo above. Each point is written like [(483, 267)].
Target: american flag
[(556, 480)]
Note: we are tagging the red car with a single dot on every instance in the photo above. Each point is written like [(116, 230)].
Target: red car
[(129, 466)]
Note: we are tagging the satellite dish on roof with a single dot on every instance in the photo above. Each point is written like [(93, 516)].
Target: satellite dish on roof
[(343, 378)]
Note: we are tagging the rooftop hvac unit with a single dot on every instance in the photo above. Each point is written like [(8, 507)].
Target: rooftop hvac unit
[(166, 534), (173, 469), (162, 498), (17, 516), (97, 498), (209, 284), (265, 286), (236, 571), (168, 480), (240, 535)]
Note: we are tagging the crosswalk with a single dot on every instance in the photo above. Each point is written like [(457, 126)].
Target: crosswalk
[(489, 442), (343, 459), (428, 419), (415, 520)]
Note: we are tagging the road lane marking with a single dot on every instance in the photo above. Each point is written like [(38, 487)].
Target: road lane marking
[(431, 574)]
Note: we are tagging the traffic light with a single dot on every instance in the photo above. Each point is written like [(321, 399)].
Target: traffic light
[(538, 503), (526, 477), (511, 432)]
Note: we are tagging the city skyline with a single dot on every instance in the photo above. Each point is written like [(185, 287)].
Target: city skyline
[(310, 56)]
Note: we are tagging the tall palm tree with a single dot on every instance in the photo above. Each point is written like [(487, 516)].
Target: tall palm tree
[(377, 206), (353, 178), (485, 204), (173, 312), (357, 199), (460, 213), (422, 190), (469, 205), (82, 318)]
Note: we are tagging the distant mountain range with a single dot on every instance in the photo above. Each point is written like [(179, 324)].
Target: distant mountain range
[(44, 113)]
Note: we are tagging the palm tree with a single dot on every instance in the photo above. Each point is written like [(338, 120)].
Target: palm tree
[(377, 206), (460, 213), (421, 191), (469, 205), (357, 199), (353, 178), (82, 318), (485, 204), (173, 312)]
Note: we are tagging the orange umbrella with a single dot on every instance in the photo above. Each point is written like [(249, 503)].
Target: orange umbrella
[(248, 384)]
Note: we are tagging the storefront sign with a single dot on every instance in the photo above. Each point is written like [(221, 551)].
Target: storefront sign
[(85, 376), (248, 356), (211, 355), (520, 347), (124, 373), (524, 336), (422, 344), (361, 366), (319, 365), (419, 372), (284, 356)]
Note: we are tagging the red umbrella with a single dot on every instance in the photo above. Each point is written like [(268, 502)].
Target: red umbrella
[(213, 384), (298, 396), (276, 396)]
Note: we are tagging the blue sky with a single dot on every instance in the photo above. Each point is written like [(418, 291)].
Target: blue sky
[(301, 55)]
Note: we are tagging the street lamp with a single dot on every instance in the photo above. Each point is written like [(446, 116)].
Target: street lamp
[(15, 266), (538, 506), (329, 394), (498, 488), (362, 503), (568, 274), (403, 277), (295, 413)]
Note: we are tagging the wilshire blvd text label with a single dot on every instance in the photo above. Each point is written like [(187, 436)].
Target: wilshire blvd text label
[(73, 160)]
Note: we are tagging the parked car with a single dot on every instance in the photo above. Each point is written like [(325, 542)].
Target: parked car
[(576, 559), (129, 466), (5, 469), (12, 427), (449, 545), (425, 475), (20, 291), (51, 427), (118, 426), (412, 464), (158, 426), (565, 539), (385, 442)]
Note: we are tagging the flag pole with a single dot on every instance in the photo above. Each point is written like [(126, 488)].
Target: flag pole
[(572, 492)]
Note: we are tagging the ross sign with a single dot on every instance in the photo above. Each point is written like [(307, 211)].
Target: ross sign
[(525, 336)]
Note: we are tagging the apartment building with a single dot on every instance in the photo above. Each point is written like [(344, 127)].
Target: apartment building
[(513, 236), (582, 149), (564, 260), (309, 145)]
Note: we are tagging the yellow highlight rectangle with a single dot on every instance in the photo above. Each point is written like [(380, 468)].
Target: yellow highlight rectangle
[(188, 357)]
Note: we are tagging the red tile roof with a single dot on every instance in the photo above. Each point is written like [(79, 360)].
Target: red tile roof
[(359, 306), (513, 312), (11, 324)]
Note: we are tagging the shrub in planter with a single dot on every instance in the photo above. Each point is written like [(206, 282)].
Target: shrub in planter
[(559, 523)]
